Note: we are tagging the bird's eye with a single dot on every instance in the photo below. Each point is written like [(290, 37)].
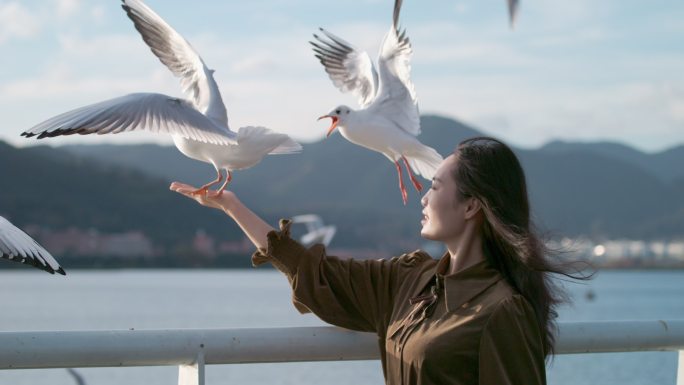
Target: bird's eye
[(337, 112)]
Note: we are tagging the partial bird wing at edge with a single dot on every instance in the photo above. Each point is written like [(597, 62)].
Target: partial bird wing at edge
[(349, 69), (141, 111), (179, 56), (16, 245), (513, 11)]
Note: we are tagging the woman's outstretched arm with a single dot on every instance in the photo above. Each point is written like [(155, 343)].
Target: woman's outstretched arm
[(355, 294), (251, 224)]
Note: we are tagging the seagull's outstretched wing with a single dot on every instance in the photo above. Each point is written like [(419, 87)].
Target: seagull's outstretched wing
[(16, 245), (179, 56), (396, 98), (349, 69), (140, 111)]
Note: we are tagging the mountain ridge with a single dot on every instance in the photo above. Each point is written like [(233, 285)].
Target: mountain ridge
[(574, 191)]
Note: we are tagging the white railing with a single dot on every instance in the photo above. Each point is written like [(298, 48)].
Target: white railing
[(192, 349)]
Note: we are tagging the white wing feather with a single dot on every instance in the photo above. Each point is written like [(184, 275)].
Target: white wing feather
[(349, 69), (396, 99), (179, 56), (140, 111)]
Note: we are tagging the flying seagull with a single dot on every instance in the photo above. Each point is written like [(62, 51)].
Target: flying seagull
[(16, 245), (198, 126), (388, 121), (316, 231)]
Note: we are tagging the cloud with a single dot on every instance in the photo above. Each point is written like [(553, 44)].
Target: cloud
[(558, 15), (677, 110), (98, 13), (64, 84), (641, 114), (17, 21), (581, 79), (675, 104), (254, 64), (66, 8), (74, 47), (21, 21), (460, 7), (585, 35)]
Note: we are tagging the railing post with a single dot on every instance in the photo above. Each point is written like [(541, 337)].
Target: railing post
[(680, 368), (192, 374)]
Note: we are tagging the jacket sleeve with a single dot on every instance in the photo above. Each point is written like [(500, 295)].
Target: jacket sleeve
[(511, 349), (354, 294)]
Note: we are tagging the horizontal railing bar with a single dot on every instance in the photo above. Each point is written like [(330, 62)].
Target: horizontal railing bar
[(63, 349), (47, 349), (620, 336)]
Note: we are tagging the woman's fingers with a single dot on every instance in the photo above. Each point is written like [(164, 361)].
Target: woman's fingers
[(205, 199), (182, 188), (178, 186)]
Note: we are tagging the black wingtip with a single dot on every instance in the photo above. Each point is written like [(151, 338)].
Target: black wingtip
[(513, 12), (127, 8), (397, 11), (61, 271)]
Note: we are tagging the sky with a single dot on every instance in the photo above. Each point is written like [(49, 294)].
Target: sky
[(577, 70)]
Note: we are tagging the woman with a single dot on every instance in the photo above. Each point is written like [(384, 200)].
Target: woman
[(482, 314)]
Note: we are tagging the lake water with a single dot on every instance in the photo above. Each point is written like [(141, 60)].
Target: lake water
[(166, 299)]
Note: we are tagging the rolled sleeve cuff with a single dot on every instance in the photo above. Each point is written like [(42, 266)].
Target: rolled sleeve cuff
[(283, 252)]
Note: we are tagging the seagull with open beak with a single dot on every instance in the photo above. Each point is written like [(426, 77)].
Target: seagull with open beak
[(388, 121)]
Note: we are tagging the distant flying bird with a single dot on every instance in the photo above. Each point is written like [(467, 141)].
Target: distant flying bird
[(513, 11), (388, 121), (199, 126), (316, 231), (16, 245)]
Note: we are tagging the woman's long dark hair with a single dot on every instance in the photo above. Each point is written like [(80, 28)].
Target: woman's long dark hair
[(488, 170)]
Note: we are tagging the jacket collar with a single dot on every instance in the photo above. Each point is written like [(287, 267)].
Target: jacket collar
[(461, 287)]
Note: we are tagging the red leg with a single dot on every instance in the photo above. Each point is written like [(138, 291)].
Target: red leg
[(415, 181), (229, 177), (204, 189), (404, 194)]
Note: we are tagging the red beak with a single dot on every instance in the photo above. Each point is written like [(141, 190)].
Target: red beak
[(332, 126)]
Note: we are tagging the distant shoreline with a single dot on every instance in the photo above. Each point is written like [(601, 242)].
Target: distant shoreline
[(243, 262)]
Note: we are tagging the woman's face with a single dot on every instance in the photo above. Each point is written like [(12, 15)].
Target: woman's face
[(443, 213)]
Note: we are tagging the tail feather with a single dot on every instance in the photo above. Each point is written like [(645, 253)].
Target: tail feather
[(425, 161), (268, 141), (289, 146)]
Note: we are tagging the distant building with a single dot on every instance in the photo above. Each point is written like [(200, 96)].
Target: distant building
[(126, 245), (624, 252), (244, 246), (203, 244)]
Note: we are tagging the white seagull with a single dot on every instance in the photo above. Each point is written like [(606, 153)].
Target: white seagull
[(198, 126), (388, 121), (16, 245), (316, 231)]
